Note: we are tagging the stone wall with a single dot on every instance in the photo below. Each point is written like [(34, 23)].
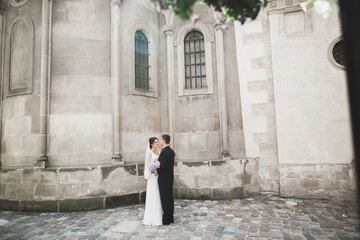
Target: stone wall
[(197, 114), (80, 123), (20, 86), (318, 181), (257, 98), (66, 189), (216, 179), (311, 102), (312, 106), (235, 121), (87, 188), (141, 110)]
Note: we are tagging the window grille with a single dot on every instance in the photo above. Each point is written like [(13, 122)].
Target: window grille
[(338, 52), (195, 71), (141, 61)]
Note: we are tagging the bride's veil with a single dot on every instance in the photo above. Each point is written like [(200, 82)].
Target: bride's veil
[(147, 172)]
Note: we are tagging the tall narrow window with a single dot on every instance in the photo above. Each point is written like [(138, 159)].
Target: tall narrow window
[(195, 71), (141, 61)]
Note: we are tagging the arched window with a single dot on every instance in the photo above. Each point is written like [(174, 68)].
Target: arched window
[(141, 61), (195, 71)]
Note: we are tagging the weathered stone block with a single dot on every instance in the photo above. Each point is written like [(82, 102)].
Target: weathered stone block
[(44, 192), (39, 206), (289, 182), (11, 177), (251, 165), (79, 175), (191, 193), (261, 62), (117, 173), (65, 65), (220, 181), (19, 192), (270, 173), (213, 140), (286, 175), (67, 29), (329, 184), (32, 145), (260, 85), (143, 197), (124, 200), (186, 155), (235, 179), (192, 168), (182, 141), (29, 176), (186, 181), (17, 126), (96, 31), (328, 168), (206, 123), (208, 155), (226, 167), (230, 193), (141, 169), (203, 181), (251, 190), (9, 205), (101, 86), (253, 38), (269, 185), (197, 141), (345, 185), (89, 204), (309, 183)]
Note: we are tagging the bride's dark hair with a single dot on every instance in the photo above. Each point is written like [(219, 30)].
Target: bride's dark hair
[(151, 141)]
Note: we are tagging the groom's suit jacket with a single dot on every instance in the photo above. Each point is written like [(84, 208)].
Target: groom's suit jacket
[(166, 170)]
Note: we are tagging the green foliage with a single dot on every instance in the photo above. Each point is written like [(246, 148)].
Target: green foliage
[(232, 9)]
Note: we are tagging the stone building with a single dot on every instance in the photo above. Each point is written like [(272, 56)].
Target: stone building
[(256, 108)]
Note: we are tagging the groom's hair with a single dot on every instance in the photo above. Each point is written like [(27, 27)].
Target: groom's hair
[(166, 138)]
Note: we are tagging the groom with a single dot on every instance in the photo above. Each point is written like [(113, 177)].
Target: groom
[(166, 180)]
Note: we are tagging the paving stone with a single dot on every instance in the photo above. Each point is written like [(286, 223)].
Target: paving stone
[(255, 218)]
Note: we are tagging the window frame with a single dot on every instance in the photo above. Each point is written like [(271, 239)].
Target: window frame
[(143, 62), (179, 43), (199, 62), (152, 61), (331, 58)]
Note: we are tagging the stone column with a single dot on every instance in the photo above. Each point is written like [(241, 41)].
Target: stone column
[(220, 61), (117, 158), (167, 29), (42, 161)]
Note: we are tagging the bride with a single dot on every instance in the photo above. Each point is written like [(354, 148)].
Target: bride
[(153, 209)]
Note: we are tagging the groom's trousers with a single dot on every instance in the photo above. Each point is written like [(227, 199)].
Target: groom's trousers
[(167, 202)]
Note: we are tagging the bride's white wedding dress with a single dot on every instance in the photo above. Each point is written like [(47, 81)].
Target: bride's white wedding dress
[(153, 209)]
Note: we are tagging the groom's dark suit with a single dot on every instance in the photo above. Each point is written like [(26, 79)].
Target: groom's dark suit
[(166, 180)]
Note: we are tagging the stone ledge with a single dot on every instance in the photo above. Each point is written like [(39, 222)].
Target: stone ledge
[(69, 205)]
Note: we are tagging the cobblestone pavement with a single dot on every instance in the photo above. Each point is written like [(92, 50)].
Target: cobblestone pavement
[(251, 218)]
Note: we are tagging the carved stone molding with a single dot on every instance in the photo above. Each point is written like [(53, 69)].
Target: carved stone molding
[(18, 3), (168, 30), (219, 27), (278, 6), (181, 33), (116, 2), (20, 57)]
